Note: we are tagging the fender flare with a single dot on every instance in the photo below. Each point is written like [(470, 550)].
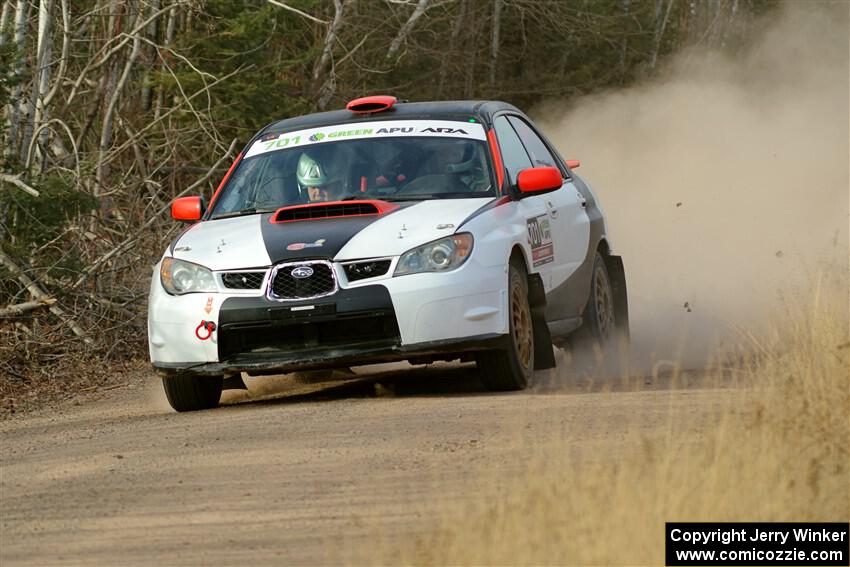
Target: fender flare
[(544, 355)]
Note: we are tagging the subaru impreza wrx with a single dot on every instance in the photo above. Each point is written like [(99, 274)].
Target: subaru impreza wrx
[(386, 231)]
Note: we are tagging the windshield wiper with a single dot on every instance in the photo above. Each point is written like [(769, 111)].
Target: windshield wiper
[(246, 211), (404, 197), (436, 196)]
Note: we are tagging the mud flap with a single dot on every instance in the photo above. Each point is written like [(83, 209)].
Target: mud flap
[(234, 382), (617, 275), (544, 355)]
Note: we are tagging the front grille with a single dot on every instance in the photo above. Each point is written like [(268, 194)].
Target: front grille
[(298, 213), (316, 280), (357, 330), (243, 280), (362, 270)]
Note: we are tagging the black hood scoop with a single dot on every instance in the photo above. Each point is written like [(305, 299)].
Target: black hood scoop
[(318, 230)]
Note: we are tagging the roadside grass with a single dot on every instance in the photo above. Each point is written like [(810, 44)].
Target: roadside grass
[(778, 452)]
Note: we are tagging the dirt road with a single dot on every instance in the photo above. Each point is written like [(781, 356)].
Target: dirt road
[(299, 479)]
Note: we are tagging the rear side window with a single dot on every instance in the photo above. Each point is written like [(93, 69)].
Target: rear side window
[(540, 154), (513, 154)]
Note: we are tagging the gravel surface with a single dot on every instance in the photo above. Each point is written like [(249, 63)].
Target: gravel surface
[(282, 475)]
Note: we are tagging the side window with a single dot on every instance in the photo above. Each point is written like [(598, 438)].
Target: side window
[(513, 154), (540, 154)]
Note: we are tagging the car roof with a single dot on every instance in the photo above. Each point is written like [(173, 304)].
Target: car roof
[(442, 110)]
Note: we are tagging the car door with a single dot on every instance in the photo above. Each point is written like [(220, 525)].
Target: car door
[(565, 207), (531, 207)]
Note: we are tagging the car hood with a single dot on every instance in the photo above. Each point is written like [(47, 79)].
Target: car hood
[(254, 241)]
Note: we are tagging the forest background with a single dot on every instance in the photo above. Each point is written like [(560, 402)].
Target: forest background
[(109, 109)]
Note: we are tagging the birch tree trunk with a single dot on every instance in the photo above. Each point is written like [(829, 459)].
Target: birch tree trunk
[(625, 47), (170, 30), (14, 111), (5, 14), (660, 26), (457, 25), (150, 56), (324, 81), (41, 82), (494, 40), (405, 29), (471, 49), (106, 131)]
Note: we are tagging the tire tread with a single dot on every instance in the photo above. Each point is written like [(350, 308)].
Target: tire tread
[(186, 392)]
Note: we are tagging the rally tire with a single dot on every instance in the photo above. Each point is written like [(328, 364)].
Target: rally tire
[(186, 392), (599, 324), (512, 368)]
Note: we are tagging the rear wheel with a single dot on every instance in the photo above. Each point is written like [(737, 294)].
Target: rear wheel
[(600, 316), (186, 392), (512, 368)]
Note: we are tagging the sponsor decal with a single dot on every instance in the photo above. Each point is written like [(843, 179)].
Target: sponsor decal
[(302, 245), (445, 131), (301, 272), (208, 308), (277, 144), (362, 132), (540, 240), (387, 128), (402, 130)]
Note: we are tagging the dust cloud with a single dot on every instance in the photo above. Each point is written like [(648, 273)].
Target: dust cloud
[(725, 181)]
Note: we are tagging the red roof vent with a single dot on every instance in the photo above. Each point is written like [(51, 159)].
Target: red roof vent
[(371, 104), (332, 210)]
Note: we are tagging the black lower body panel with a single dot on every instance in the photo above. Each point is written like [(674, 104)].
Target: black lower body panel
[(332, 357), (352, 327)]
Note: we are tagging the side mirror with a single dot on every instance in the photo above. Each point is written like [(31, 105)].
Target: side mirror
[(538, 179), (573, 163), (187, 208)]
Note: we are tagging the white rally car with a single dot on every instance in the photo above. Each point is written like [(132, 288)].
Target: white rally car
[(383, 232)]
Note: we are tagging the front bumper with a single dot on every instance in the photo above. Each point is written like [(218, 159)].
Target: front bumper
[(428, 315)]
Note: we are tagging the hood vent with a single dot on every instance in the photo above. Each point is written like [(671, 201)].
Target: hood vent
[(332, 210)]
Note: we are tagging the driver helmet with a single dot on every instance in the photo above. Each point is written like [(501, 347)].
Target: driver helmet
[(453, 156), (320, 179)]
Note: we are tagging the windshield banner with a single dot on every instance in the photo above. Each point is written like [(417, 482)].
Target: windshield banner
[(355, 131)]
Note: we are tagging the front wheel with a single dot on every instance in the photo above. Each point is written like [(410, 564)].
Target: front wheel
[(186, 392), (512, 368)]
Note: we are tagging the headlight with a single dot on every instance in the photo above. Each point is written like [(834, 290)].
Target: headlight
[(439, 256), (179, 277)]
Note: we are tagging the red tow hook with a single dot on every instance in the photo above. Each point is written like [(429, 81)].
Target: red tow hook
[(208, 326)]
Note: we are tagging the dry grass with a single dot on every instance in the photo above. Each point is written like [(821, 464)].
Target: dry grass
[(778, 453)]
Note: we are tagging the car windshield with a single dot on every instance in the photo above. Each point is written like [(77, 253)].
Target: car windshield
[(320, 165)]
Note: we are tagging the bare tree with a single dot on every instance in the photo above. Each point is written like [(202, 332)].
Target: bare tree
[(407, 27), (41, 81), (13, 113), (324, 78), (494, 39), (5, 14), (660, 26), (150, 55)]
